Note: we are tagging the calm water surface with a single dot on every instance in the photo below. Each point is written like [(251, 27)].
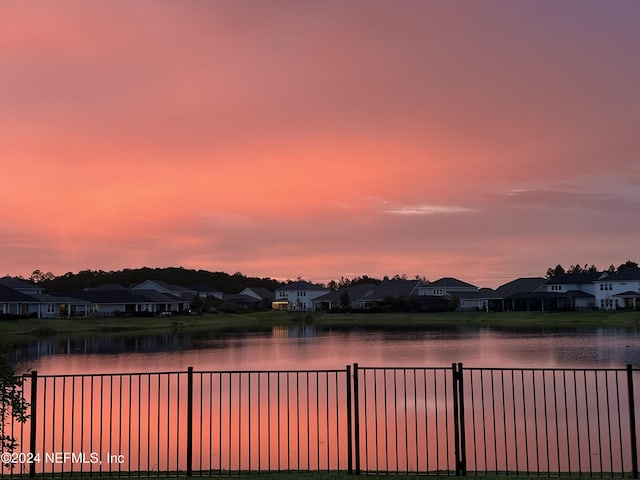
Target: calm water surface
[(308, 348), (516, 420)]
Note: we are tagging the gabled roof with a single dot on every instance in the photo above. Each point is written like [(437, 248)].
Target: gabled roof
[(361, 291), (45, 298), (357, 292), (629, 293), (164, 285), (262, 292), (8, 294), (394, 288), (577, 278), (17, 283), (630, 273), (487, 292), (203, 289), (109, 287), (154, 296), (519, 285), (450, 282), (240, 299)]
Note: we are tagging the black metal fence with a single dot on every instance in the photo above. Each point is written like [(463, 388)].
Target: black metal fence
[(444, 421)]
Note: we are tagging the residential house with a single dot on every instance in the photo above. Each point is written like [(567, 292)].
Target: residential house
[(297, 296), (618, 290), (53, 306), (462, 295), (14, 302), (357, 296), (23, 298), (240, 301), (183, 295), (205, 291), (575, 291), (114, 299), (390, 290), (263, 295)]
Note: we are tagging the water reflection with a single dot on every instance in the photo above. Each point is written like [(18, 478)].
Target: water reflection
[(305, 346)]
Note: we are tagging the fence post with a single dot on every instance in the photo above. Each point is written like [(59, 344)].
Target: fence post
[(456, 426), (33, 424), (189, 421), (458, 420), (349, 423), (356, 417), (632, 421), (463, 441)]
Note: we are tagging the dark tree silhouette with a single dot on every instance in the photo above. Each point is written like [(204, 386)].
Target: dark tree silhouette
[(12, 404)]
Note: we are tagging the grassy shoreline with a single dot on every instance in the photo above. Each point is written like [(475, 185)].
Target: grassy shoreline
[(26, 330)]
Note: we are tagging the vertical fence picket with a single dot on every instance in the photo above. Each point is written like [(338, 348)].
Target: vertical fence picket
[(33, 430), (632, 422)]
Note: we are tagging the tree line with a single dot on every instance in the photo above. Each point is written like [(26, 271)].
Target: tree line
[(236, 282), (222, 281), (578, 268)]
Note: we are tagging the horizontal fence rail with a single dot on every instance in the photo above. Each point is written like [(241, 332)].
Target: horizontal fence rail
[(370, 420)]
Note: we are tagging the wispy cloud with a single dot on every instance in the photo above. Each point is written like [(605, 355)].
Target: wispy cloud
[(429, 210)]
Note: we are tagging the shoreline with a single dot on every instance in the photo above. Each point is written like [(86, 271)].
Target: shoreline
[(28, 330)]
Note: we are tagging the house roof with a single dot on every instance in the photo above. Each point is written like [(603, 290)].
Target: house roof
[(106, 287), (487, 292), (450, 282), (239, 299), (263, 292), (630, 273), (17, 283), (45, 298), (395, 288), (470, 295), (154, 296), (629, 293), (577, 294), (203, 289), (519, 285), (168, 286), (8, 294), (564, 278), (360, 292)]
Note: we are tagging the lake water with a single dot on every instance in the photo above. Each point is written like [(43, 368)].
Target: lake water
[(296, 347), (279, 400)]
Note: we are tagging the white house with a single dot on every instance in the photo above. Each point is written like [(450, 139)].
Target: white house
[(297, 296), (575, 290), (618, 290)]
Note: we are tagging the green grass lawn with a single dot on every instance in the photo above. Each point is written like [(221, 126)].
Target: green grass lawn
[(20, 331)]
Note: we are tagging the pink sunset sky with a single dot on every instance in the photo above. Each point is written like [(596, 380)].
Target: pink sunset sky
[(484, 140)]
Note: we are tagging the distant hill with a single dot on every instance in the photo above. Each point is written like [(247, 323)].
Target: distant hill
[(224, 282)]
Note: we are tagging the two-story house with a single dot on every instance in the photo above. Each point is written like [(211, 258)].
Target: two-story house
[(297, 296), (618, 290), (574, 291)]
